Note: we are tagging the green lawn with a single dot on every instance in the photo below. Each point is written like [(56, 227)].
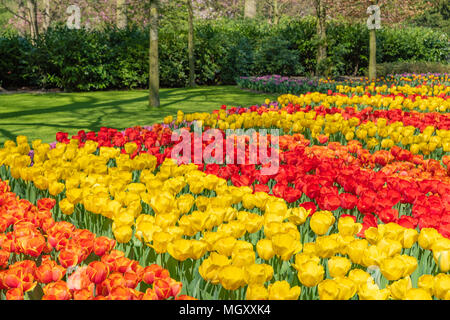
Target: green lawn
[(40, 116)]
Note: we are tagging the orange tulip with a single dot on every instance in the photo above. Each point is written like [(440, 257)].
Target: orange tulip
[(120, 293), (83, 294), (136, 295), (110, 259), (115, 279), (185, 297), (46, 204), (154, 272), (4, 258), (124, 264), (18, 278), (103, 245), (97, 271), (149, 295), (175, 287), (49, 271), (57, 291), (32, 245), (132, 279), (14, 294), (68, 258), (162, 289)]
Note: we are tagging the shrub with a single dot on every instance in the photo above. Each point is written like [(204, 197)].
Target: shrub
[(401, 67), (225, 49), (15, 64)]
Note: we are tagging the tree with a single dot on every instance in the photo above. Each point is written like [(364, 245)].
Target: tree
[(321, 14), (191, 43), (121, 14), (250, 9), (47, 14), (154, 100), (393, 11)]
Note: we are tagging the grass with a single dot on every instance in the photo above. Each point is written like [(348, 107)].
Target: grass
[(42, 115)]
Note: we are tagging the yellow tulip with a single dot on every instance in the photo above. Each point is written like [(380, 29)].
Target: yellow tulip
[(310, 273), (389, 247), (426, 282), (55, 188), (66, 206), (162, 203), (326, 246), (321, 221), (297, 215), (301, 258), (258, 274), (359, 277), (265, 250), (417, 294), (253, 222), (400, 287), (123, 233), (257, 292), (281, 290), (328, 289), (185, 203), (410, 237), (370, 291), (277, 207), (211, 267), (225, 246), (348, 227), (232, 277), (338, 266), (427, 237), (180, 249), (284, 245), (392, 268), (74, 195), (41, 183), (243, 257), (124, 218), (160, 241), (441, 286), (442, 259)]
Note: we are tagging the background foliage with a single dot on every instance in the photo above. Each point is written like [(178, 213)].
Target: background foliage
[(84, 60)]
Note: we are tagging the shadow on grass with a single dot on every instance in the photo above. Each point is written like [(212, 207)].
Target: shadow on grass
[(111, 109), (96, 103)]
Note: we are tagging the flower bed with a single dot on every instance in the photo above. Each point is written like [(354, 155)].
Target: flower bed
[(358, 208)]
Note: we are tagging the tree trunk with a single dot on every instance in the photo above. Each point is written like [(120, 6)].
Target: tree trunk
[(121, 14), (250, 9), (153, 56), (322, 35), (373, 56), (191, 44), (276, 12), (47, 13), (32, 11)]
